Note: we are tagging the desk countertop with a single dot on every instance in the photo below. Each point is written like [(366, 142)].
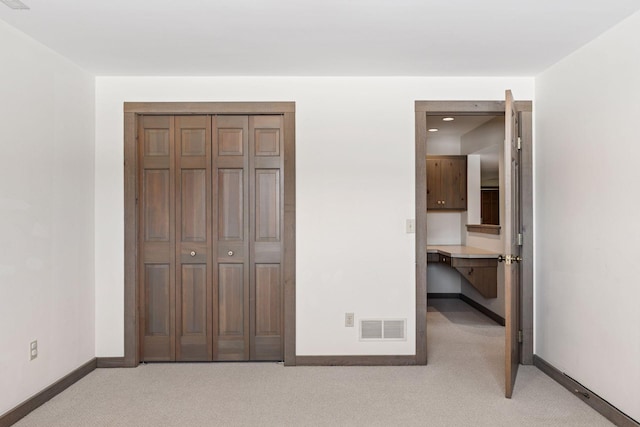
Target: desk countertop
[(457, 251)]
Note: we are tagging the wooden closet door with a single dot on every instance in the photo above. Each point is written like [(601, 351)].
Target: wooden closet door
[(156, 237), (193, 249), (231, 233), (267, 206)]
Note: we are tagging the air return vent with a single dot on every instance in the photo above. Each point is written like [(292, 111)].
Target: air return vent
[(383, 330)]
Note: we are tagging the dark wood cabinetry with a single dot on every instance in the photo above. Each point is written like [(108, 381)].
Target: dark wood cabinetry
[(447, 183), (481, 270)]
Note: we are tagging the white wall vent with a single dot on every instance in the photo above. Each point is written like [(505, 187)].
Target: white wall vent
[(383, 330)]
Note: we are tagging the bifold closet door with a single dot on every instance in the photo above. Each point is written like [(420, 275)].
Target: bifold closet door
[(156, 210), (231, 231), (210, 240), (194, 250), (266, 197), (248, 290)]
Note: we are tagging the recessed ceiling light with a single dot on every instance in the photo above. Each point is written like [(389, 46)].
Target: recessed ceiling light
[(448, 119), (15, 4), (433, 129)]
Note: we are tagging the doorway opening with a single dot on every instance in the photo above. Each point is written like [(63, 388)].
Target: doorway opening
[(459, 242)]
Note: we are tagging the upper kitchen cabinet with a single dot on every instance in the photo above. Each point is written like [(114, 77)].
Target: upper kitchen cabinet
[(447, 183)]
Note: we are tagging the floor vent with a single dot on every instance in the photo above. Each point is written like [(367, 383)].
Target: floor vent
[(383, 330)]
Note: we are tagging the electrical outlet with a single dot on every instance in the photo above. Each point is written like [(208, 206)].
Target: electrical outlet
[(348, 320), (411, 226), (33, 349)]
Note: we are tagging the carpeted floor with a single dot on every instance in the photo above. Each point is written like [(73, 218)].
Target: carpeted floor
[(461, 386)]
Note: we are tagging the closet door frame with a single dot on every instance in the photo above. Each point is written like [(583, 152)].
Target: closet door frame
[(132, 112)]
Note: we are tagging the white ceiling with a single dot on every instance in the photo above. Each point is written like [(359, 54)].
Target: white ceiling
[(457, 127), (317, 37)]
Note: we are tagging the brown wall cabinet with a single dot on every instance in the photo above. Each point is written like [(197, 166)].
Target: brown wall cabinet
[(447, 183)]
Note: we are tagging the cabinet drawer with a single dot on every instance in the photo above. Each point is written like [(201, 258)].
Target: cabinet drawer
[(474, 262), (433, 257)]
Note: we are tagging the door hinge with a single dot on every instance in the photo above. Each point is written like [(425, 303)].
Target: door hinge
[(520, 335), (519, 143), (519, 239)]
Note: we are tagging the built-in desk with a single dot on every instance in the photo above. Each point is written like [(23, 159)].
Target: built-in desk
[(478, 266)]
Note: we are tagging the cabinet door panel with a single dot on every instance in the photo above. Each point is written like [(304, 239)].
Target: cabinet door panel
[(453, 181), (433, 184), (446, 183)]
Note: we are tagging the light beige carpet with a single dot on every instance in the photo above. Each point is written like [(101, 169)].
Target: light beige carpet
[(461, 386)]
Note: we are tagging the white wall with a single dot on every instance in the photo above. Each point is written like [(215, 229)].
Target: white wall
[(46, 216), (355, 189), (474, 187), (587, 238)]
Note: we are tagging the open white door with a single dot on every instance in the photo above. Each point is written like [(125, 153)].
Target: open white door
[(512, 229)]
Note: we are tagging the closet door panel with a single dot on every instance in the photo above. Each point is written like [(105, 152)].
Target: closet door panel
[(157, 192), (267, 190), (194, 205), (231, 204), (266, 195), (193, 237), (268, 321), (231, 283), (157, 320), (231, 309), (157, 238)]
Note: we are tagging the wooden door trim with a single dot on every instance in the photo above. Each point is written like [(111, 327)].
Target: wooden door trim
[(209, 107), (422, 110), (131, 112)]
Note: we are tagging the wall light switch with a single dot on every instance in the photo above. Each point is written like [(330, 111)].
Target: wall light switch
[(411, 226)]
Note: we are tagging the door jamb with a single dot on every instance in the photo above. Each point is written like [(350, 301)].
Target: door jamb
[(131, 304), (422, 110)]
